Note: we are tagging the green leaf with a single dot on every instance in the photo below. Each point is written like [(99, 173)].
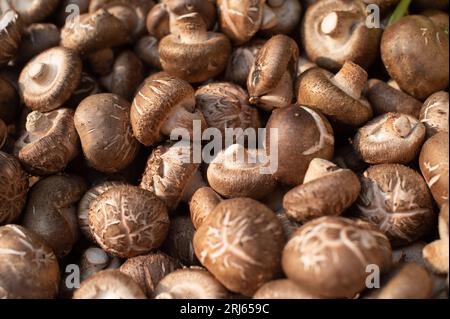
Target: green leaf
[(400, 11)]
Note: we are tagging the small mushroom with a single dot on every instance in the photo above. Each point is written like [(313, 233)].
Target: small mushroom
[(194, 54), (28, 267), (202, 203), (390, 138), (127, 221), (396, 199), (326, 190), (31, 11), (281, 16), (9, 101), (94, 260), (103, 123), (13, 188), (49, 143), (158, 21), (10, 35), (49, 79), (323, 249), (434, 113), (102, 61), (147, 49), (190, 283), (283, 289)]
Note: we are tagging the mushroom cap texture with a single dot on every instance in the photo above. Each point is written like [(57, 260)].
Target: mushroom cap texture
[(240, 243), (396, 199), (109, 284), (32, 11), (103, 124), (157, 22), (10, 35), (127, 221), (433, 161), (60, 77), (434, 113), (415, 53), (31, 270), (329, 255), (202, 203), (283, 289), (13, 188)]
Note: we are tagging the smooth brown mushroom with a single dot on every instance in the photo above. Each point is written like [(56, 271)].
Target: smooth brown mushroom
[(147, 49), (280, 16), (31, 11), (158, 21), (10, 35), (202, 203), (434, 113), (102, 61), (283, 289)]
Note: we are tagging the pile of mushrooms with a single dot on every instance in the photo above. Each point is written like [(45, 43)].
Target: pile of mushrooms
[(338, 161)]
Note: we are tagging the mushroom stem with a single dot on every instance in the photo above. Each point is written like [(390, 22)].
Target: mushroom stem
[(38, 71), (351, 79), (191, 28), (270, 19), (37, 122), (318, 168), (402, 126), (338, 23)]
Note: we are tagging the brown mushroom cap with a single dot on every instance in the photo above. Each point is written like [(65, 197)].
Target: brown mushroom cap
[(281, 16), (49, 79), (148, 270), (337, 96), (28, 267), (396, 199), (283, 289), (9, 101), (13, 188), (49, 143), (303, 134), (31, 11), (202, 203), (103, 123), (390, 138), (205, 8), (190, 283), (326, 190), (434, 164), (434, 113), (147, 49), (10, 35), (102, 61), (158, 23), (440, 18), (329, 255), (51, 211), (335, 31), (109, 284), (240, 243), (127, 221), (415, 53), (289, 226)]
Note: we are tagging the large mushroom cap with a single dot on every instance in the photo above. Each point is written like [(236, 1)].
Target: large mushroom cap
[(434, 113), (10, 35), (31, 11)]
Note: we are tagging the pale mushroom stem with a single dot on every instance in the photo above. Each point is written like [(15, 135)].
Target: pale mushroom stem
[(270, 19), (191, 28), (318, 168), (402, 126), (38, 71), (351, 79), (338, 23), (37, 122)]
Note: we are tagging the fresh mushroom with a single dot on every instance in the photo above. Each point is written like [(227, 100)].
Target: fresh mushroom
[(147, 49), (10, 35), (158, 21), (102, 61), (281, 16), (202, 203), (95, 259), (434, 113)]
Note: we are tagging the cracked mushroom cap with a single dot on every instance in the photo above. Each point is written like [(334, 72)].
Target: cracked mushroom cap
[(190, 283), (240, 243), (202, 203), (328, 256), (194, 54), (283, 289), (326, 190), (49, 143), (10, 35), (433, 161), (271, 79), (31, 11), (13, 188), (434, 113), (390, 138), (127, 221), (28, 267), (158, 21), (337, 96), (103, 123), (396, 199), (49, 79), (109, 284), (302, 134), (51, 211), (414, 51), (335, 31), (281, 16)]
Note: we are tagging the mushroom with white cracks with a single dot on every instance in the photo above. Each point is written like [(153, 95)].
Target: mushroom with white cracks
[(49, 143), (396, 199), (147, 49), (271, 79), (336, 96), (95, 259), (127, 221), (433, 161), (280, 16), (158, 21), (202, 203), (434, 113), (35, 274), (283, 289), (390, 138), (321, 249), (240, 243), (109, 284), (13, 188), (49, 79), (194, 54), (31, 11), (327, 190), (10, 35), (190, 283)]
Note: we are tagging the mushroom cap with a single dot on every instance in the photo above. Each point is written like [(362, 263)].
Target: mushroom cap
[(202, 203), (31, 11), (147, 49), (303, 134), (9, 101), (109, 284), (10, 35), (88, 86), (30, 270), (289, 226), (158, 24), (127, 221), (102, 61), (51, 211), (148, 270), (49, 143), (281, 17), (205, 8), (433, 161), (49, 79), (13, 188), (328, 256), (190, 283), (283, 289), (331, 192), (390, 138), (434, 113), (103, 123), (396, 199), (240, 243), (415, 53)]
